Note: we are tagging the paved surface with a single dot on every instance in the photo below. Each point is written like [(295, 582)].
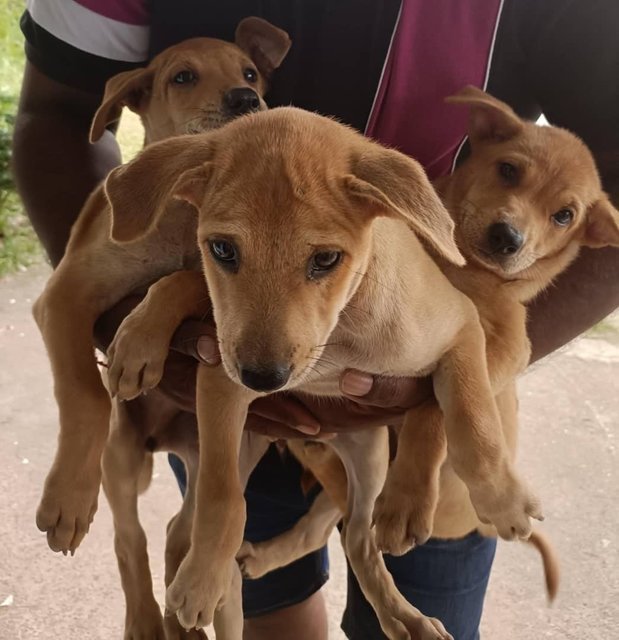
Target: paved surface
[(570, 414)]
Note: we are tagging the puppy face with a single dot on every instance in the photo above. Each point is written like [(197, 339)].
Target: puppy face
[(281, 264), (199, 84), (286, 202), (526, 193), (525, 199)]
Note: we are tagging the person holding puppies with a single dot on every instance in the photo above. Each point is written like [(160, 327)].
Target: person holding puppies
[(384, 68)]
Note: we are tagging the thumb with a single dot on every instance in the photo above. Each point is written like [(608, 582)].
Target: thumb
[(384, 391), (199, 340)]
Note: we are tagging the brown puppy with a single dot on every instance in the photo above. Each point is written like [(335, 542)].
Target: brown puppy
[(193, 86), (303, 226), (524, 202)]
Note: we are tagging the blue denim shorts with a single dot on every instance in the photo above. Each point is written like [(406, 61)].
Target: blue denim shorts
[(274, 503), (446, 579)]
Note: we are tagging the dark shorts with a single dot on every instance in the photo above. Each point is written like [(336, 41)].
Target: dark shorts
[(274, 503), (443, 579)]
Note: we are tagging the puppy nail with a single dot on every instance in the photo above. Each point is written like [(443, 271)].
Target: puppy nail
[(355, 383)]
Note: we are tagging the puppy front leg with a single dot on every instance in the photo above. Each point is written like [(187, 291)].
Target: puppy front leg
[(65, 315), (310, 533), (475, 439), (204, 575), (404, 511), (140, 347)]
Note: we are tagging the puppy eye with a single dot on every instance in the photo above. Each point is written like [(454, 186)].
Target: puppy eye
[(184, 77), (323, 262), (251, 75), (563, 217), (225, 253), (508, 172)]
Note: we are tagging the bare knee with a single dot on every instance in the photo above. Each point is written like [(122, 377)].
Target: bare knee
[(306, 620)]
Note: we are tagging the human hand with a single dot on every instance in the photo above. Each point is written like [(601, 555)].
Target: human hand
[(369, 401)]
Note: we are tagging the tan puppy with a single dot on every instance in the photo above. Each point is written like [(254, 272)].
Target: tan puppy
[(524, 203), (194, 86), (304, 227)]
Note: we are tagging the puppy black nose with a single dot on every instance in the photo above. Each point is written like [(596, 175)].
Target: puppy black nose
[(503, 238), (240, 101), (266, 378)]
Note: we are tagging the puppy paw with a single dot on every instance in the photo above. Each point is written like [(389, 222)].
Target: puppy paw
[(253, 560), (403, 516), (248, 562), (405, 622), (136, 357), (67, 508), (174, 631), (197, 590), (508, 504)]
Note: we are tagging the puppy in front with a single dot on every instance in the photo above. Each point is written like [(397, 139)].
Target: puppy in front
[(524, 202), (311, 238)]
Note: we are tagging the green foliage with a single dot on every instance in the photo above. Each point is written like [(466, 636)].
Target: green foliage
[(18, 244), (11, 46)]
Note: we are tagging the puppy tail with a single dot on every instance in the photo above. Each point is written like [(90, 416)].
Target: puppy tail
[(550, 560), (146, 473)]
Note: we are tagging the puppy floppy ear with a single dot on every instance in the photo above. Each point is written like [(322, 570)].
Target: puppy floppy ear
[(602, 225), (191, 186), (386, 182), (140, 191), (489, 119), (265, 44), (130, 89)]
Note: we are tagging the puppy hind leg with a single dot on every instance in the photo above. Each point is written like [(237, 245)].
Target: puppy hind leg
[(178, 540), (124, 462), (365, 455), (311, 532)]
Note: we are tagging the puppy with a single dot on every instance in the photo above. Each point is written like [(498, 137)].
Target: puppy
[(524, 202), (194, 86), (304, 227)]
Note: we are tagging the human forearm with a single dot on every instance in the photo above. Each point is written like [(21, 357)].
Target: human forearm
[(54, 164), (583, 295), (55, 173)]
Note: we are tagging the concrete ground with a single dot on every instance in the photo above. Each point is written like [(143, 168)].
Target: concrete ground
[(570, 413)]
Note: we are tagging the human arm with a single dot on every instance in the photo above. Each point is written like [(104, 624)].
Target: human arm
[(54, 164)]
